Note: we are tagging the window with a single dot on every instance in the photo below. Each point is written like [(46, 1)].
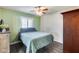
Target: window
[(27, 22)]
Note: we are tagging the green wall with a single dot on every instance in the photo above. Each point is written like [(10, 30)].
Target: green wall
[(12, 18)]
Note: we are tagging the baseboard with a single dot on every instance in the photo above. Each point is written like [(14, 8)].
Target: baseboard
[(59, 42)]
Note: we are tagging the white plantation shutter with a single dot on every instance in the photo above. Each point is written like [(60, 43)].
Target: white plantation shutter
[(26, 22), (23, 22), (30, 22)]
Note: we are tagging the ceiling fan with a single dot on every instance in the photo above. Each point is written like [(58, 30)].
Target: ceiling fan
[(40, 10)]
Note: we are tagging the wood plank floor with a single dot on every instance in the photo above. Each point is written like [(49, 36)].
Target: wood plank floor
[(55, 47)]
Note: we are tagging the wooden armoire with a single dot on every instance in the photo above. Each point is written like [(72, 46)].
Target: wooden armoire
[(71, 31)]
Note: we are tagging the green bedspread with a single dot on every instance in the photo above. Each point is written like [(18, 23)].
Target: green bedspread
[(36, 40)]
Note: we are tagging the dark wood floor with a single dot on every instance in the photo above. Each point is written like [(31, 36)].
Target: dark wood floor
[(55, 47)]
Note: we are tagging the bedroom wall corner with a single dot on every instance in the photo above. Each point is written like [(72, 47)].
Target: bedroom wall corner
[(53, 23)]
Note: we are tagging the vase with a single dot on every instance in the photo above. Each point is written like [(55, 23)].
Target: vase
[(3, 30)]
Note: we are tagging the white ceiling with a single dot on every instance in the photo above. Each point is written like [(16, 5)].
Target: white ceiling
[(29, 9)]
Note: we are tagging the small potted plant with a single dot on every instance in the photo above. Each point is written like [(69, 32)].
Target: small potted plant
[(4, 28)]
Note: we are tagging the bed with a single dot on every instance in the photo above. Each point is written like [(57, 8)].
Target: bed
[(34, 40)]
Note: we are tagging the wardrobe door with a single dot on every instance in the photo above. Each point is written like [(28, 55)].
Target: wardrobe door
[(71, 31)]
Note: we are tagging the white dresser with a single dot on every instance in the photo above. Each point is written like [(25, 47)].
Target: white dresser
[(4, 42)]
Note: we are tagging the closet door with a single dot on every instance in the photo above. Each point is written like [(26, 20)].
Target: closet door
[(71, 31)]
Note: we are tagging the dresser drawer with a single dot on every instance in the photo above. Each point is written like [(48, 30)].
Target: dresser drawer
[(4, 43), (5, 50)]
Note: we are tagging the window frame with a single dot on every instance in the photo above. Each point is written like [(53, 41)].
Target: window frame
[(27, 18)]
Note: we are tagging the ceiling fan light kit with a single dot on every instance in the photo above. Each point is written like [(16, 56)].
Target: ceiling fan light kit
[(40, 10)]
